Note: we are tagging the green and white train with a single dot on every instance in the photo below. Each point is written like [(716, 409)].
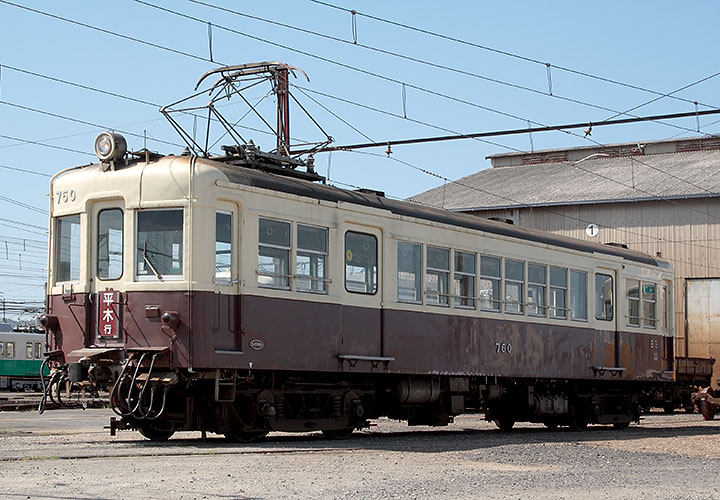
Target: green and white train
[(21, 355)]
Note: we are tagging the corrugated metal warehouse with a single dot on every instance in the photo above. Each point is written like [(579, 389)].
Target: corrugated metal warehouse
[(662, 198)]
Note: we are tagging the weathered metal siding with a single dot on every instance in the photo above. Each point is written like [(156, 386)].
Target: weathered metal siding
[(703, 319), (684, 232)]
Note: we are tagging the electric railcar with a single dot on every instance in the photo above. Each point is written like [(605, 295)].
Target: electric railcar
[(233, 295), (21, 355)]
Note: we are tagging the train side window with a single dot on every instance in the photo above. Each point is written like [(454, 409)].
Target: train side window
[(361, 265), (514, 281), (649, 305), (489, 293), (578, 295), (2, 349), (159, 240), (274, 254), (9, 349), (437, 274), (38, 350), (67, 248), (110, 244), (311, 259), (558, 292), (29, 350), (632, 291), (537, 281), (409, 272), (464, 280), (223, 246), (604, 297)]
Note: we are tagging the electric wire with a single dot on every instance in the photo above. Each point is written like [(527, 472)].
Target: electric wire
[(44, 144), (506, 53), (560, 214), (445, 67)]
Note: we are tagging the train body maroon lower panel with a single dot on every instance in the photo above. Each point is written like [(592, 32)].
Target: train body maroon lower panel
[(262, 333)]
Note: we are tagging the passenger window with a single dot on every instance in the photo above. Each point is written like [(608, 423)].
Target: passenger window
[(649, 305), (223, 246), (537, 280), (437, 274), (361, 266), (10, 349), (2, 349), (67, 248), (28, 350), (38, 350), (514, 280), (578, 295), (274, 254), (159, 238), (310, 262), (409, 272), (464, 280), (489, 293), (110, 244), (632, 291), (558, 292), (604, 297)]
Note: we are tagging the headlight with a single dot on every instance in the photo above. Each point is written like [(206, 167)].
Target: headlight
[(110, 147)]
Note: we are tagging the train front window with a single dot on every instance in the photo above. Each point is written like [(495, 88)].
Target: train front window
[(110, 244), (361, 265), (159, 244), (274, 254), (67, 248), (223, 246), (649, 305)]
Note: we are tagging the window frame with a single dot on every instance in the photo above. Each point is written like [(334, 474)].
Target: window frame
[(438, 272), (612, 297), (523, 284), (122, 245), (289, 248), (151, 276), (296, 252), (58, 236), (499, 278), (564, 289), (223, 280), (541, 308), (419, 274), (376, 265), (457, 299), (585, 296)]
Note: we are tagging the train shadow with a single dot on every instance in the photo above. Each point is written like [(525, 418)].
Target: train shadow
[(434, 440)]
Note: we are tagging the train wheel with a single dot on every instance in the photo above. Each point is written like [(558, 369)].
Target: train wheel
[(154, 434), (669, 407), (621, 425), (339, 433), (245, 437), (689, 409), (505, 423)]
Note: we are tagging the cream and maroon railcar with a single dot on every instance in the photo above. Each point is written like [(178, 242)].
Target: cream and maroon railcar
[(222, 295)]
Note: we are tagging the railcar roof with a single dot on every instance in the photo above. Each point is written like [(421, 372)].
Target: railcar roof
[(256, 178)]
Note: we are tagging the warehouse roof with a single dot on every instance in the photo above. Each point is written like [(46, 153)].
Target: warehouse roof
[(681, 168)]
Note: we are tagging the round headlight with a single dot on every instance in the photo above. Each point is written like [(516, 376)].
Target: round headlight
[(110, 147)]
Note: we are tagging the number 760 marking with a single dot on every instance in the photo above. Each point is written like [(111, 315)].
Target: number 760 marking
[(503, 347)]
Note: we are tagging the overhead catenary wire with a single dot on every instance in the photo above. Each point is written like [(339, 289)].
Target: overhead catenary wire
[(440, 66), (504, 52)]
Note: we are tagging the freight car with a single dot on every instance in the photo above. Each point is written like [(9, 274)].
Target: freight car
[(21, 355), (239, 295)]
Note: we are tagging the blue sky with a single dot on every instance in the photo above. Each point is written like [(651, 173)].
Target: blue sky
[(660, 46)]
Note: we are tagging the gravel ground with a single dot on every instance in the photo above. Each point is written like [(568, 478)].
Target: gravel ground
[(68, 455)]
